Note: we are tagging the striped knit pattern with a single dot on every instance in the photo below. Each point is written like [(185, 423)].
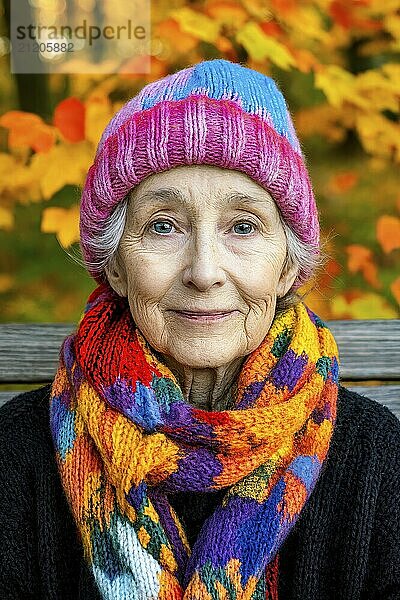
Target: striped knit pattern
[(217, 113), (125, 437)]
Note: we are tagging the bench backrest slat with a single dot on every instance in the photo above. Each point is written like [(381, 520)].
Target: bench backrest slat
[(29, 352), (369, 350)]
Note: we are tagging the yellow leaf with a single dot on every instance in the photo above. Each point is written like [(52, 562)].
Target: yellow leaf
[(98, 112), (6, 218), (375, 6), (64, 222), (305, 22), (392, 70), (391, 23), (384, 78), (380, 87), (379, 135), (197, 24), (18, 182), (366, 306), (261, 47), (388, 232), (339, 86), (64, 164)]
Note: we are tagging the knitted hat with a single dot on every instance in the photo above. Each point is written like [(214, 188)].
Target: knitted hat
[(216, 113)]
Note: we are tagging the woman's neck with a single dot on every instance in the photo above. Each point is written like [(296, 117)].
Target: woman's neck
[(210, 389)]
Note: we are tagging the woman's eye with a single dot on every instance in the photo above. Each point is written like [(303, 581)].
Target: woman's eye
[(161, 226), (244, 227)]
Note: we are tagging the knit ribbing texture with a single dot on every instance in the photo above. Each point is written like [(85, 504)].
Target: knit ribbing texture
[(215, 113), (125, 437)]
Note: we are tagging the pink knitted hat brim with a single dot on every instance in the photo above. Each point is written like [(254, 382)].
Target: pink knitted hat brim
[(198, 130)]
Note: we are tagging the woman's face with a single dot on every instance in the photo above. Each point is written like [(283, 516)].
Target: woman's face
[(200, 261)]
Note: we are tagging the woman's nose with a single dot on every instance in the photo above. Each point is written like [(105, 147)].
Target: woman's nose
[(204, 268)]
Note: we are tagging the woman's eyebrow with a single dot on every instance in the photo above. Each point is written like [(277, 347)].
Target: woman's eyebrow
[(247, 199), (162, 195), (174, 195)]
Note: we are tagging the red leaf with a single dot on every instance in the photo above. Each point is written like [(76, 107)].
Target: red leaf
[(271, 28), (344, 14), (69, 118)]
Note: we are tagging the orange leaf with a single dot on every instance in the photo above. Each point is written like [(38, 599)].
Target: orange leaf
[(345, 181), (395, 287), (6, 282), (19, 118), (360, 259), (284, 7), (170, 31), (352, 295), (69, 118), (357, 257), (370, 273), (225, 47), (323, 120), (28, 130), (227, 12), (43, 138), (388, 232), (305, 60)]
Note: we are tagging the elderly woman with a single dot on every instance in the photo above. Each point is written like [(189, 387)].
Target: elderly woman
[(195, 443)]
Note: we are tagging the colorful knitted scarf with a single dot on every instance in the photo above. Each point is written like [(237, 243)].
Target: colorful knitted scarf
[(125, 438)]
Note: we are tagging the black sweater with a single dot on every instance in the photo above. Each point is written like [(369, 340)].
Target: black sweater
[(345, 545)]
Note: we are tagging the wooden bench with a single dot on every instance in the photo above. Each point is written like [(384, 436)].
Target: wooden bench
[(369, 357)]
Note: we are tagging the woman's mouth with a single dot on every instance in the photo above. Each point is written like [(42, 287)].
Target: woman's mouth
[(203, 317)]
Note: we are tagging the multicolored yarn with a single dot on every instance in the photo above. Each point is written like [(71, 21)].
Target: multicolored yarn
[(217, 113), (125, 438)]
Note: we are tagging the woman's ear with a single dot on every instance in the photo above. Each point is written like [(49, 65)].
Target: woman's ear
[(288, 276), (116, 275)]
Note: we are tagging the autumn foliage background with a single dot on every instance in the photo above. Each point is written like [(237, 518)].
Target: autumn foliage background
[(337, 63)]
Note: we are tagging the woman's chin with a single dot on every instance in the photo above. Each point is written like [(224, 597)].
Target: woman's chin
[(203, 354)]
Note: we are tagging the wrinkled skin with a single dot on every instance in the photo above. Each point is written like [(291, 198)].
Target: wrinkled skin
[(202, 252)]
